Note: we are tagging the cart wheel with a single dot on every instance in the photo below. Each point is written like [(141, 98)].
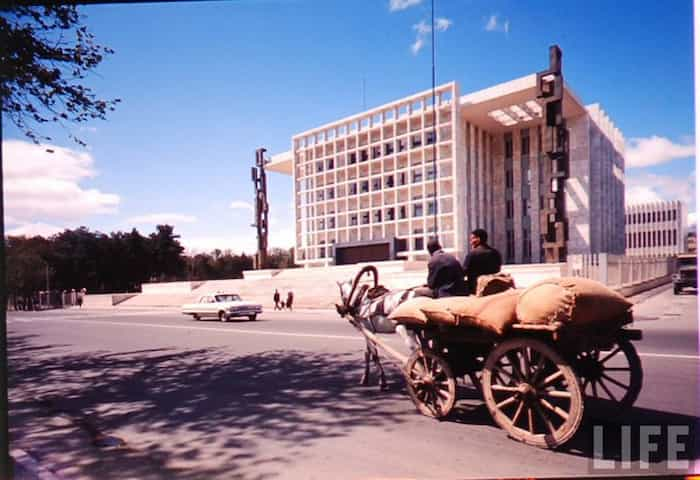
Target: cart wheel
[(611, 379), (431, 385), (532, 393)]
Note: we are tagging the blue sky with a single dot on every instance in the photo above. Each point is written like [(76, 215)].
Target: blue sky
[(204, 84)]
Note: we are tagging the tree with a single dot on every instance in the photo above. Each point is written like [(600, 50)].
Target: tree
[(46, 55)]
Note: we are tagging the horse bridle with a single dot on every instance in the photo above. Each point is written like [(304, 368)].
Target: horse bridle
[(349, 306)]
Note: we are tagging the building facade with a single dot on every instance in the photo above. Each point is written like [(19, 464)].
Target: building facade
[(376, 185), (656, 228)]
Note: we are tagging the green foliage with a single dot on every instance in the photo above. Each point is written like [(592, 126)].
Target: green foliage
[(119, 262), (46, 56)]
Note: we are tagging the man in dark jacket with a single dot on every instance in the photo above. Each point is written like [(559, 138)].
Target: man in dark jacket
[(445, 275), (481, 260)]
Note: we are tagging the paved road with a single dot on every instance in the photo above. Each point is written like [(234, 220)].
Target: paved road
[(278, 398)]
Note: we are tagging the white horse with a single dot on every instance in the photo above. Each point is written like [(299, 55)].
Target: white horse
[(370, 307)]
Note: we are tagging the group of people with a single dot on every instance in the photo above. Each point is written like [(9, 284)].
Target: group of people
[(281, 304), (448, 278)]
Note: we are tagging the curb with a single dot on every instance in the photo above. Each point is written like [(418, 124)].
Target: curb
[(27, 467)]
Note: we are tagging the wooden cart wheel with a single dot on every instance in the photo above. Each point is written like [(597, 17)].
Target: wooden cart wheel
[(431, 385), (532, 393), (611, 379)]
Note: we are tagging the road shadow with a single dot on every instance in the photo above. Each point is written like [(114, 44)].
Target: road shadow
[(260, 411)]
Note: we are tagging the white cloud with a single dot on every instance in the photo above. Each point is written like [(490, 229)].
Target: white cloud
[(417, 45), (47, 186), (654, 150), (493, 24), (161, 219), (34, 229), (649, 187), (239, 204), (397, 5), (423, 29), (442, 24)]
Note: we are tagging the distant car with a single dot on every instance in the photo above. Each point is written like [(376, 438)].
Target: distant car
[(686, 274), (222, 306)]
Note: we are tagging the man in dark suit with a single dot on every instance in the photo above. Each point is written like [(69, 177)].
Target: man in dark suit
[(445, 275), (481, 260)]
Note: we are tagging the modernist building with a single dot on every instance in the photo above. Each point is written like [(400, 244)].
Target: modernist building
[(656, 228), (370, 186)]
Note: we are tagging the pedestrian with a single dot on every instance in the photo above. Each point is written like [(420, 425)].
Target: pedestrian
[(445, 275), (290, 300), (276, 299), (483, 259)]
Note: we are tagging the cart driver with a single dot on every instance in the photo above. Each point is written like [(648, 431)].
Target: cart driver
[(445, 274), (483, 259)]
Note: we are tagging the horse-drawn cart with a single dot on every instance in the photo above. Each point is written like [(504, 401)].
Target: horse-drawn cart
[(534, 379)]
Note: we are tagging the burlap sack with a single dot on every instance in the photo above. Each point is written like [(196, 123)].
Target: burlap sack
[(544, 304), (495, 283), (494, 313), (591, 302), (410, 311)]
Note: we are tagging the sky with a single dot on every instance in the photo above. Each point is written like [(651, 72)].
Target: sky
[(203, 84)]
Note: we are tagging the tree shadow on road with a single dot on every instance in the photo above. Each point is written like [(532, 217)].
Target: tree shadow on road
[(255, 412)]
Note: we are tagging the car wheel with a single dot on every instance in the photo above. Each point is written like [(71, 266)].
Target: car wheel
[(223, 317), (676, 290), (195, 317), (252, 317)]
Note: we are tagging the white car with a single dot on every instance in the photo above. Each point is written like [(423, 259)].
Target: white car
[(222, 306)]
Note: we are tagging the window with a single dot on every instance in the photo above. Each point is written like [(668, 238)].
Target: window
[(664, 238), (319, 195), (321, 224), (417, 176), (319, 166), (431, 207), (390, 214), (418, 243), (365, 218), (389, 182), (402, 178), (430, 173), (415, 141), (675, 240), (352, 158), (331, 193), (402, 212), (509, 145), (376, 152), (430, 138), (321, 252), (674, 232), (525, 142), (402, 145), (509, 208), (353, 219), (364, 186), (509, 179), (378, 216), (353, 189), (417, 210), (388, 148), (363, 155), (525, 207), (376, 184)]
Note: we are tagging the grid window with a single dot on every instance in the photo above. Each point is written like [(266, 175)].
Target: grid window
[(363, 156), (364, 186), (389, 182), (388, 148), (431, 207), (417, 176), (352, 159), (376, 184), (418, 243), (353, 189), (353, 219), (365, 218), (417, 210), (377, 216), (390, 214), (402, 212)]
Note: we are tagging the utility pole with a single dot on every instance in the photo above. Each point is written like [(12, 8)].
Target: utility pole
[(553, 222), (259, 179)]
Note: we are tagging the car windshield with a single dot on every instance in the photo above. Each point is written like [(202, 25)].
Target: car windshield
[(687, 262), (228, 298)]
